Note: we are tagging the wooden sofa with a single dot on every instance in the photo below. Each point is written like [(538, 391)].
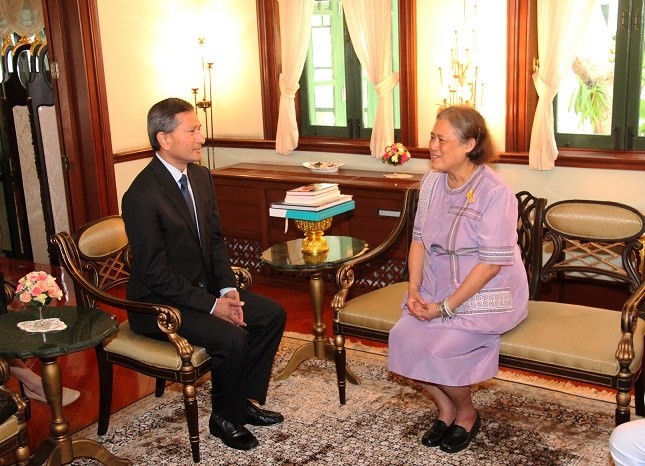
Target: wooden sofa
[(579, 343)]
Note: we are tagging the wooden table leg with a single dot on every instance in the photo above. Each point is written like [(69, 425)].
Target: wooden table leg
[(60, 449), (320, 346)]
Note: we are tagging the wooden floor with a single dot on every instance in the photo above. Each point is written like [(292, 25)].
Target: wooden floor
[(79, 369)]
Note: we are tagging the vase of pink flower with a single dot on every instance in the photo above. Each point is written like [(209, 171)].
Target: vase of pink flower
[(396, 154), (37, 289)]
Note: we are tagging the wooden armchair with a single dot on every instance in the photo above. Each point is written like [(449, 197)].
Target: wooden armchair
[(14, 441), (97, 259), (590, 240)]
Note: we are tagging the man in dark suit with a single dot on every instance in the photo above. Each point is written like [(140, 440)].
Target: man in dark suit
[(182, 261)]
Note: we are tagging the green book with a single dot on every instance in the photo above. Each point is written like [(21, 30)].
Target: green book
[(310, 215)]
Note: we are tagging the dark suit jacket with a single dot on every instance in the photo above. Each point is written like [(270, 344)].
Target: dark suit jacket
[(170, 264)]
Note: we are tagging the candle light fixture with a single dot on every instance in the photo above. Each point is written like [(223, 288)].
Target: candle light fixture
[(460, 83), (206, 101)]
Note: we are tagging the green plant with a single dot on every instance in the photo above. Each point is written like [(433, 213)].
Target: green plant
[(589, 102)]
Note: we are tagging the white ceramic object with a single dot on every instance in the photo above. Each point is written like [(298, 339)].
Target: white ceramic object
[(323, 167)]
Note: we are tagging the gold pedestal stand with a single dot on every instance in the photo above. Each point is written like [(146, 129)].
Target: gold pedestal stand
[(314, 242)]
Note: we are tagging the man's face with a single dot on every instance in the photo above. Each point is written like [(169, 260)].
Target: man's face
[(182, 145)]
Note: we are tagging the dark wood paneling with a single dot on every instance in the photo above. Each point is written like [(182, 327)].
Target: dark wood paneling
[(246, 191), (81, 103)]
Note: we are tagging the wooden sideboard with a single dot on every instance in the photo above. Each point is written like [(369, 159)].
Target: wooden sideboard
[(245, 191)]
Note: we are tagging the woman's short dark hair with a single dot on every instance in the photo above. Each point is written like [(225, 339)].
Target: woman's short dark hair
[(468, 123), (162, 118)]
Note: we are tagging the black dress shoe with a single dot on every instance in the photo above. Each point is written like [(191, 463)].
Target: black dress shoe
[(233, 435), (261, 417), (434, 436), (456, 438)]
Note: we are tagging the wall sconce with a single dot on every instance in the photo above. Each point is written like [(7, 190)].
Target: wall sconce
[(462, 85), (206, 104)]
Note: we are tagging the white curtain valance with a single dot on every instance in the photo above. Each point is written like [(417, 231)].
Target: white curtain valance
[(24, 17)]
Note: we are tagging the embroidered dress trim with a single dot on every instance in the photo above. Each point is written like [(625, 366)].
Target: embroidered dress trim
[(462, 212), (489, 301), (497, 255), (425, 196)]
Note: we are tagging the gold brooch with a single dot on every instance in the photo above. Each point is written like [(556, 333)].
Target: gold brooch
[(470, 196)]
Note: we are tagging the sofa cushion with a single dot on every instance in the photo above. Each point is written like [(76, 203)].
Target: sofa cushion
[(377, 310), (572, 336)]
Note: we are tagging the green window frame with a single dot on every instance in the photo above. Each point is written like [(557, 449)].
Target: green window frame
[(625, 98), (336, 98)]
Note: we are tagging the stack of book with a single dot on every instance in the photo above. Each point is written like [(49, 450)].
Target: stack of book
[(315, 201)]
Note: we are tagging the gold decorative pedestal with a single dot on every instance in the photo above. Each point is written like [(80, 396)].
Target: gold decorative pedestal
[(314, 242)]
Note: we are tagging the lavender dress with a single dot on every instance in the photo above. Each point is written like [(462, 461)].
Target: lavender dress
[(460, 228)]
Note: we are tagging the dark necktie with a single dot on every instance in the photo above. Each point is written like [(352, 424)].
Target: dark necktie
[(183, 184)]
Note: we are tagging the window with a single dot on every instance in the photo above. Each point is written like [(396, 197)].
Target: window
[(601, 104), (336, 97)]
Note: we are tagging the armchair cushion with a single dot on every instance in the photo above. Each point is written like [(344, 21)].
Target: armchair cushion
[(565, 339), (10, 427), (149, 351), (377, 310)]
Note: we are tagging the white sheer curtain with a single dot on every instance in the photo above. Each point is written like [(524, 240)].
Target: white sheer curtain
[(370, 28), (24, 17), (295, 31), (560, 25)]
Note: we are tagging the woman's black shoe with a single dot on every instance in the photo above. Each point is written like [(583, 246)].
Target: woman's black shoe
[(434, 435), (456, 438)]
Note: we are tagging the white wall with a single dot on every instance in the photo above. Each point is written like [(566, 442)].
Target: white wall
[(165, 61), (151, 51)]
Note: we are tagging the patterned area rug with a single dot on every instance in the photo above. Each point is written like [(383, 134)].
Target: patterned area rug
[(381, 423)]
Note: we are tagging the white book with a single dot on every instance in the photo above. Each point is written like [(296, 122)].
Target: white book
[(312, 189), (317, 207), (313, 200)]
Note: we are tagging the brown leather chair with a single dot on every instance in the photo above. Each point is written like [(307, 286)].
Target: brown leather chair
[(14, 441), (97, 259)]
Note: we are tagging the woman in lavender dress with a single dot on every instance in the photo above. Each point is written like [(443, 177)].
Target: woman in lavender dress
[(467, 281)]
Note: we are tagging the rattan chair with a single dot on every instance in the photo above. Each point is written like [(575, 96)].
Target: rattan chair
[(14, 441), (97, 259)]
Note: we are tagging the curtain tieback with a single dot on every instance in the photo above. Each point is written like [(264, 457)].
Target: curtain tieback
[(286, 89), (543, 89), (387, 84)]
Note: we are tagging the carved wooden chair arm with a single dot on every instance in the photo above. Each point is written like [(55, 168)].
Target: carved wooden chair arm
[(168, 317), (243, 277), (626, 353), (4, 377), (345, 274), (9, 291)]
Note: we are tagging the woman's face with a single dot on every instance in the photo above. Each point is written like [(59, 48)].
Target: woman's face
[(447, 153)]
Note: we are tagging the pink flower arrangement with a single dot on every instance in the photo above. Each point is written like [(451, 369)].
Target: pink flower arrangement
[(396, 154), (38, 288)]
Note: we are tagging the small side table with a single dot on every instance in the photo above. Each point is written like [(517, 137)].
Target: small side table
[(86, 327), (288, 257)]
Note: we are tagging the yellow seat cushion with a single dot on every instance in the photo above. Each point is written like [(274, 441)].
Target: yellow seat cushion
[(150, 351), (567, 335), (572, 336), (9, 428), (377, 310)]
